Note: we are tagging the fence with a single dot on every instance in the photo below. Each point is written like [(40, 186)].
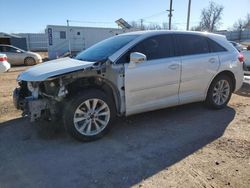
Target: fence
[(236, 35), (36, 41)]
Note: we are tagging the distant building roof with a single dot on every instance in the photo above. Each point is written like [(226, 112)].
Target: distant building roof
[(6, 35)]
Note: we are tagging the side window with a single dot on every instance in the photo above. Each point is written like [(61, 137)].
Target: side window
[(1, 49), (156, 47), (192, 44), (4, 49), (215, 47), (10, 49)]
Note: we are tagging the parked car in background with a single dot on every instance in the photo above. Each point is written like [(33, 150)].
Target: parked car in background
[(129, 74), (17, 56), (246, 54), (4, 65), (237, 45)]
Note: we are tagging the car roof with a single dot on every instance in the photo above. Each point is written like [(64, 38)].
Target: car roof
[(156, 32)]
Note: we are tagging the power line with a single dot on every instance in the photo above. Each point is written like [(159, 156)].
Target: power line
[(154, 15), (77, 21), (141, 20), (173, 23)]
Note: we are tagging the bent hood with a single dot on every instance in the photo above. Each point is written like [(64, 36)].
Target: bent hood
[(52, 68)]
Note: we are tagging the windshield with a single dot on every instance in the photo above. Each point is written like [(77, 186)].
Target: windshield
[(105, 48)]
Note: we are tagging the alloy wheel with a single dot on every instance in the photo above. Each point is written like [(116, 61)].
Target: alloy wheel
[(91, 117)]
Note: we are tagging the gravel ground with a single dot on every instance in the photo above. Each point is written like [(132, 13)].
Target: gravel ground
[(185, 146)]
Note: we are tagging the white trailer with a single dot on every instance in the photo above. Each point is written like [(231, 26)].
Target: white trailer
[(62, 39)]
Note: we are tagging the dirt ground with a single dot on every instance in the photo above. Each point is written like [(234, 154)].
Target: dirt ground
[(185, 146)]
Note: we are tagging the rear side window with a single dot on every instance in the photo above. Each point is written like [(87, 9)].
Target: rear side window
[(215, 47), (192, 44)]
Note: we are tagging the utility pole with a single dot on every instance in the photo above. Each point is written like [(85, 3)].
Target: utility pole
[(142, 24), (188, 15), (170, 14), (68, 35)]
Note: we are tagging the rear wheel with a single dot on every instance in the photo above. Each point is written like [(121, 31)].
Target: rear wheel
[(29, 61), (219, 92), (88, 116)]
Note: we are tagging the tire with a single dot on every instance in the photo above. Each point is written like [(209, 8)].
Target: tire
[(84, 123), (29, 61), (219, 92)]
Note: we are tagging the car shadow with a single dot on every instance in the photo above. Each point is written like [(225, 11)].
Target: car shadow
[(137, 148), (244, 90)]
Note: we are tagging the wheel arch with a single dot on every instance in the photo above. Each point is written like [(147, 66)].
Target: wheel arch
[(230, 74), (95, 82)]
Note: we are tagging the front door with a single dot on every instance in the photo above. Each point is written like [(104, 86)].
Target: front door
[(154, 83)]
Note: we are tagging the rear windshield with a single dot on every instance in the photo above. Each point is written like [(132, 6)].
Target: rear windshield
[(105, 48)]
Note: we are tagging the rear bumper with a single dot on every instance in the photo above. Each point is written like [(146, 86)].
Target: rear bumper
[(4, 66)]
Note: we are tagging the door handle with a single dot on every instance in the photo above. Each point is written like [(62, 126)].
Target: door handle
[(212, 60), (173, 66)]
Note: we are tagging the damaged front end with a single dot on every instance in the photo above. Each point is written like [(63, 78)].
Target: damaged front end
[(39, 100), (44, 89)]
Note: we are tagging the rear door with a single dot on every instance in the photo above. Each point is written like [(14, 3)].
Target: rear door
[(198, 66), (154, 83)]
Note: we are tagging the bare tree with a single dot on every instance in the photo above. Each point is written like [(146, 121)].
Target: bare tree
[(136, 25), (150, 26), (196, 28), (247, 22), (165, 25), (153, 26), (238, 25), (242, 23), (211, 16)]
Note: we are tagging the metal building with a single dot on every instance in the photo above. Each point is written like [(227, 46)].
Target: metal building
[(62, 39), (14, 40)]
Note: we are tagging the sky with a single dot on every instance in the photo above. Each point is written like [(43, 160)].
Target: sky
[(32, 16)]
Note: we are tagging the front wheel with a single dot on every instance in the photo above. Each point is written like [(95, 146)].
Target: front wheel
[(88, 116), (29, 61), (219, 92)]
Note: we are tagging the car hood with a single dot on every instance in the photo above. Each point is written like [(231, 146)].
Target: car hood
[(52, 68)]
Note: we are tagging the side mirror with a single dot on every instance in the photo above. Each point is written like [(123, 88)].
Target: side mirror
[(136, 57), (18, 51)]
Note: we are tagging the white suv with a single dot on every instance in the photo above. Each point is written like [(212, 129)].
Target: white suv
[(128, 74)]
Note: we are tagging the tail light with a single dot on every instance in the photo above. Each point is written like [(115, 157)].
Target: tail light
[(241, 58), (3, 58)]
